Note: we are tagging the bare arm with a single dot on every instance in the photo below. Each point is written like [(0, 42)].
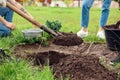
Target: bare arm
[(6, 23), (3, 20)]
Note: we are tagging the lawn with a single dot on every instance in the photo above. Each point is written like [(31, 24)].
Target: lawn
[(70, 19)]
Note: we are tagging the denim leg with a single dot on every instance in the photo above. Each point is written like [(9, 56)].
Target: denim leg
[(105, 12), (86, 5), (6, 13), (4, 31)]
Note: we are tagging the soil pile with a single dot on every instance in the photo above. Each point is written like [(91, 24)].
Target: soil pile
[(113, 26), (69, 39), (77, 67), (83, 68)]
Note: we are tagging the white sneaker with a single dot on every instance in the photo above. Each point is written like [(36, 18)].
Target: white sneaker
[(101, 34), (82, 34)]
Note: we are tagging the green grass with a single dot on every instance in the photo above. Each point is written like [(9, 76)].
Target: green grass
[(70, 19), (21, 70)]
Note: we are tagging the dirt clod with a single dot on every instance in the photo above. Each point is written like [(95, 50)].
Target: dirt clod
[(69, 39)]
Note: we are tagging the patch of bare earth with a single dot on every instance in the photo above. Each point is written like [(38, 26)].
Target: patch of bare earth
[(79, 62)]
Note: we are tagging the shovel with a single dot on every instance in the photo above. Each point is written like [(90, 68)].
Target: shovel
[(41, 26)]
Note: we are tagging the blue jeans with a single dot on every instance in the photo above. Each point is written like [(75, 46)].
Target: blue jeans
[(4, 31), (8, 16), (86, 5)]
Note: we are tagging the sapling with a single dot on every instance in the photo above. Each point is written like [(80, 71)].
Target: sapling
[(54, 25)]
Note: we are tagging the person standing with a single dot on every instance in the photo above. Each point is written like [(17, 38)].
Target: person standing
[(86, 5)]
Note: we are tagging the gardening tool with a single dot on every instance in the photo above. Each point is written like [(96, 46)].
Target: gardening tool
[(46, 29)]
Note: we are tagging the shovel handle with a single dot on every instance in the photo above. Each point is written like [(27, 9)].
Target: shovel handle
[(22, 14)]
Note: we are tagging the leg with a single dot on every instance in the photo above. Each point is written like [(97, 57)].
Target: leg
[(6, 13), (86, 5), (105, 12), (104, 18), (4, 31)]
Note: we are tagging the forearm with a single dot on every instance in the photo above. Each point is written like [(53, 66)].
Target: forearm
[(3, 20), (7, 24)]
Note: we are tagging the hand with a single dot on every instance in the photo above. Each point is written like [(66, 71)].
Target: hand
[(10, 25), (3, 3)]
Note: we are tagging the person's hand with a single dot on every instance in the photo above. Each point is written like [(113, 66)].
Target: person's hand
[(3, 3), (10, 25)]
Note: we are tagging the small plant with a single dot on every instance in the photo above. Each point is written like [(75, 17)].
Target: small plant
[(54, 25)]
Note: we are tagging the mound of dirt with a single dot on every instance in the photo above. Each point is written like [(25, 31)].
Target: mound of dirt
[(69, 39), (77, 67), (113, 26), (82, 68)]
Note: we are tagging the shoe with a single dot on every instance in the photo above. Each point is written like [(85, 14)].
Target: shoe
[(101, 34), (116, 60), (82, 34)]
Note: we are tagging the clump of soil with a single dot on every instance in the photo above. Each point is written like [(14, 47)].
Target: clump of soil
[(82, 68), (69, 39), (113, 26)]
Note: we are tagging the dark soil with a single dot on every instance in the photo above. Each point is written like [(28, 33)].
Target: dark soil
[(69, 39), (41, 58), (113, 26), (80, 62), (82, 68), (76, 66)]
